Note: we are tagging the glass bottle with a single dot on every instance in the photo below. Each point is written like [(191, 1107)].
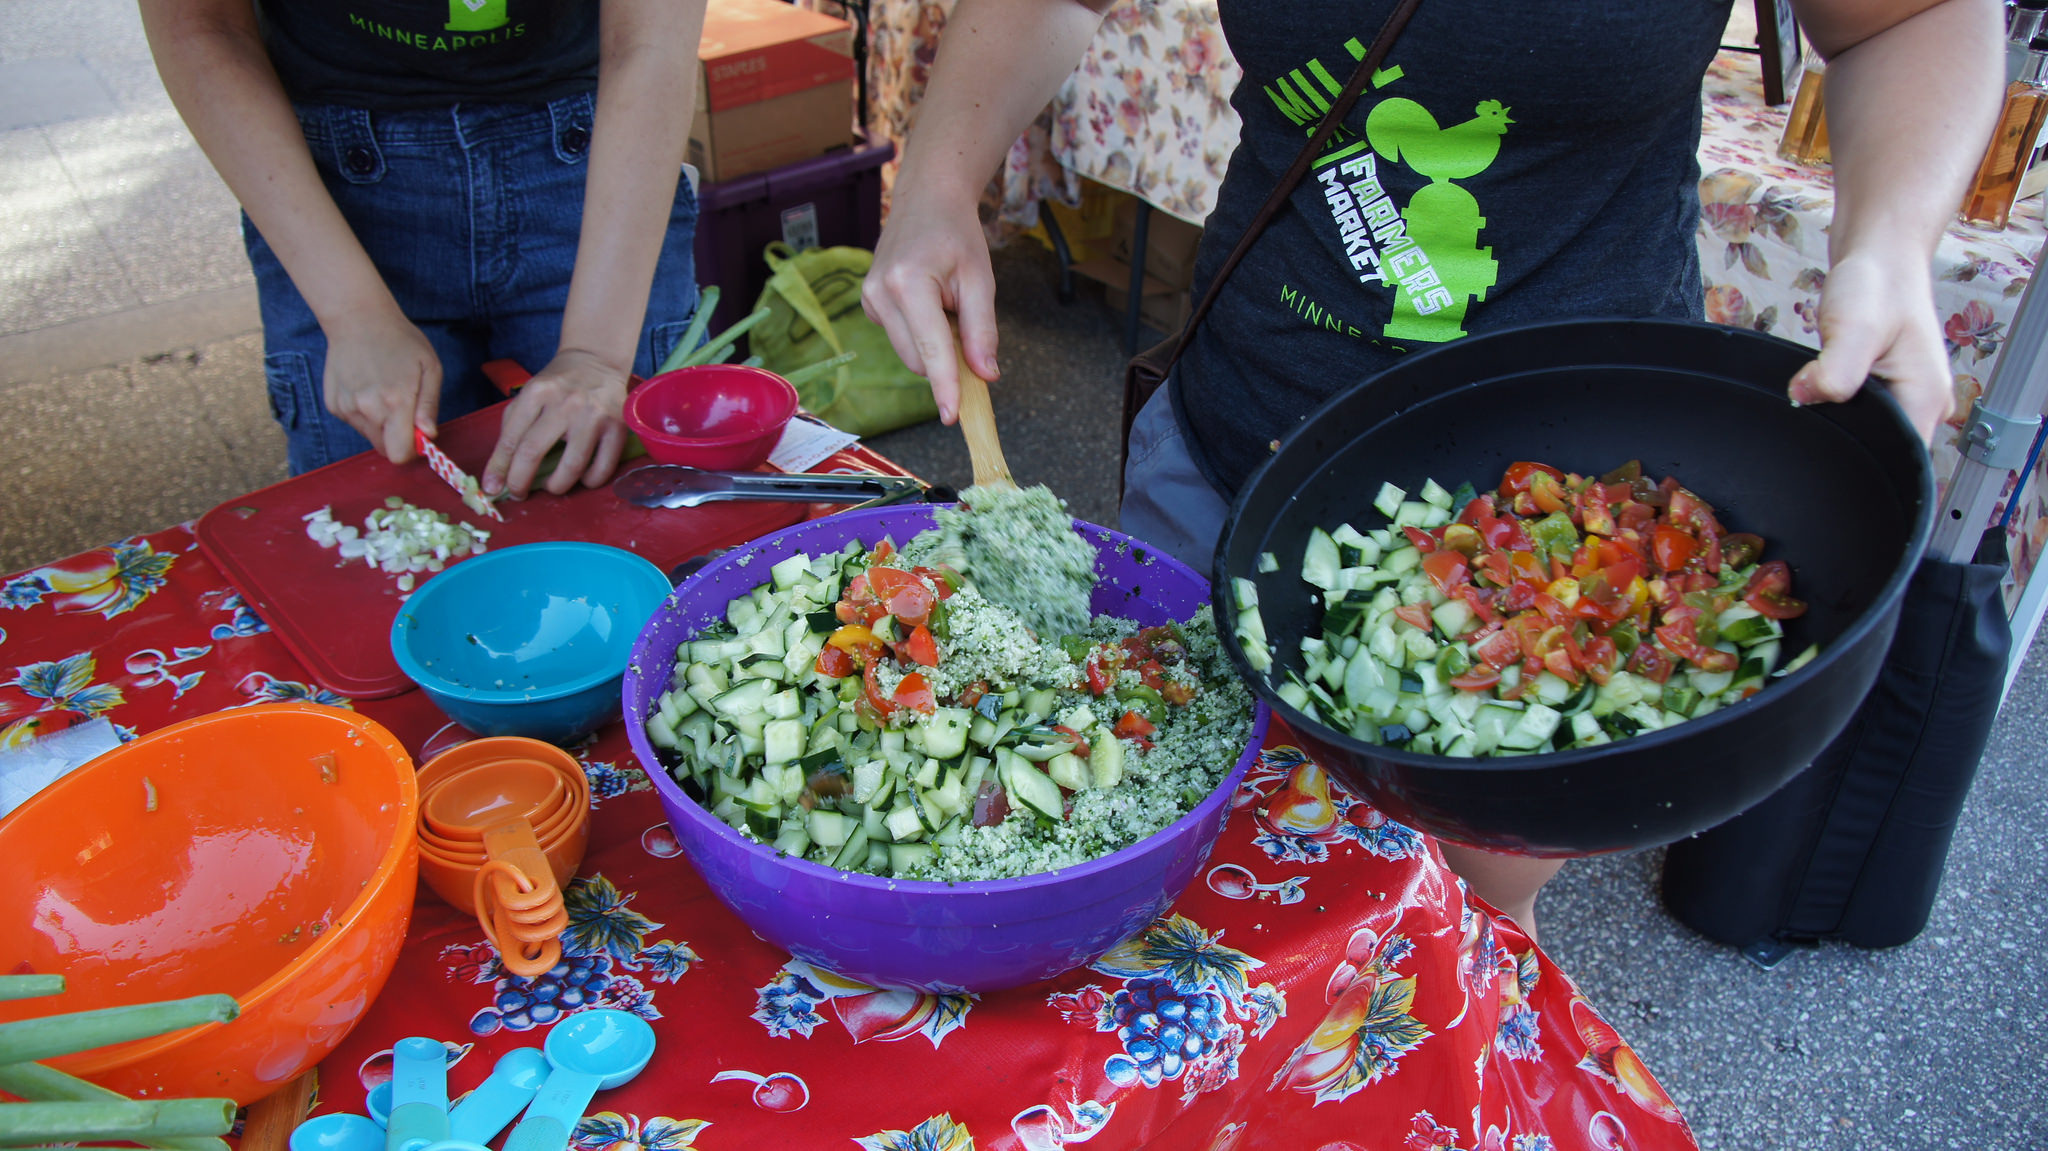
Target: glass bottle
[(2023, 21), (1806, 127), (1997, 182)]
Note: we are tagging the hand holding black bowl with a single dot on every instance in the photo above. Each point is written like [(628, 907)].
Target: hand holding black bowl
[(1844, 492)]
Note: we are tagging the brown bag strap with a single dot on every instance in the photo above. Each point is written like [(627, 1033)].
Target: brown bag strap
[(1396, 20)]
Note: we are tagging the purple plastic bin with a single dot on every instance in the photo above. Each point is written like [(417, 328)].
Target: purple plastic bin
[(840, 191), (931, 936)]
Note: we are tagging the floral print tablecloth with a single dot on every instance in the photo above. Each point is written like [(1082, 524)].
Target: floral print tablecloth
[(1148, 112), (1325, 984)]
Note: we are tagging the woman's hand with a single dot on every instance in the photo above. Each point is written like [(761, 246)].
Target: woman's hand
[(384, 379), (575, 401), (933, 259), (998, 63), (1879, 321)]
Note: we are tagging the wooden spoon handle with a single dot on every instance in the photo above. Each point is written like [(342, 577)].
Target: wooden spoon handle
[(978, 424)]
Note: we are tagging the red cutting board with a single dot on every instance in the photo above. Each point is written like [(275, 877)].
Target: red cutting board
[(336, 617)]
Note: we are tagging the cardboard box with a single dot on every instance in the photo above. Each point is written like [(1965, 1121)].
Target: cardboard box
[(774, 86), (1170, 244)]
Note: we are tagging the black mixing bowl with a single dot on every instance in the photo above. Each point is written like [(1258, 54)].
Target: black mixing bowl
[(1844, 492)]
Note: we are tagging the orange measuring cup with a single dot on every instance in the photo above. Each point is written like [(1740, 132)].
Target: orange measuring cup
[(518, 902)]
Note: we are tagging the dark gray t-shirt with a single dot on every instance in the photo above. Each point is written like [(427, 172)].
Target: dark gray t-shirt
[(1511, 163), (387, 55)]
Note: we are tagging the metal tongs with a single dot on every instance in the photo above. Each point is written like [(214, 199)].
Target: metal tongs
[(676, 486)]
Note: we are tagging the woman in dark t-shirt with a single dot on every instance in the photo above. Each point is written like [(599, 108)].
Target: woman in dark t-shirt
[(1509, 164), (428, 185)]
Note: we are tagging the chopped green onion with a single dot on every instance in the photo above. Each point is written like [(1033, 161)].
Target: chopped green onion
[(54, 1035), (35, 1083), (707, 303), (30, 986), (23, 1124), (725, 340)]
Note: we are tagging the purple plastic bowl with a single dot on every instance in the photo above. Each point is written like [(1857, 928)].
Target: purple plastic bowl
[(930, 936)]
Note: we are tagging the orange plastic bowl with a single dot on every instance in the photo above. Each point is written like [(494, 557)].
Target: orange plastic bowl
[(265, 852), (720, 416)]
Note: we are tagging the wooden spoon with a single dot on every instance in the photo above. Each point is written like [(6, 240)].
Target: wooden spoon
[(978, 424)]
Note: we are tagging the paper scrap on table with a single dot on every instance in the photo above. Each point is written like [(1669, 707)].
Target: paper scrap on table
[(807, 442), (27, 770)]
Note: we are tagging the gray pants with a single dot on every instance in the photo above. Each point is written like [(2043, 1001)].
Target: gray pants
[(1167, 503)]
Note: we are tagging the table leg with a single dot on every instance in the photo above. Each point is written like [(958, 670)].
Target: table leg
[(1140, 238), (1051, 224)]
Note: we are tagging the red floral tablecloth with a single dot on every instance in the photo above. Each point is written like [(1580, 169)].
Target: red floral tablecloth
[(1325, 985)]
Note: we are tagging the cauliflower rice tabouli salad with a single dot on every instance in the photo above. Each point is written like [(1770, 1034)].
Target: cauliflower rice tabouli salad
[(875, 710)]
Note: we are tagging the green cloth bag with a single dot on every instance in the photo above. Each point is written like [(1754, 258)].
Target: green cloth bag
[(813, 299)]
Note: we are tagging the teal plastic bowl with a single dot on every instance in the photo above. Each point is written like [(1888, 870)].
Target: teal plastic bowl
[(531, 640)]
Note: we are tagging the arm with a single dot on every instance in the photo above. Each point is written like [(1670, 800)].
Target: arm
[(382, 375), (1913, 88), (999, 62), (646, 88)]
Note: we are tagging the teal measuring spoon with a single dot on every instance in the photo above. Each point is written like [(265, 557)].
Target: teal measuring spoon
[(513, 1082), (338, 1131), (419, 1095), (590, 1051)]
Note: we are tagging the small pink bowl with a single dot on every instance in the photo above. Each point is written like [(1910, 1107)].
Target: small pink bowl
[(721, 416)]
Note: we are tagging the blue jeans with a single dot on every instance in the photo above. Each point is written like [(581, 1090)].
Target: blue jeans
[(1167, 501), (471, 213)]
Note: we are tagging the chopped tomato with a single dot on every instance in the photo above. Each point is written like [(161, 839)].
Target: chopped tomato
[(1519, 596), (1552, 608), (1080, 745), (1651, 662), (1740, 549), (1635, 516), (972, 693), (1599, 658), (1133, 726), (834, 662), (882, 551), (1681, 640), (915, 693), (1691, 511), (1415, 614), (1593, 513), (1100, 679), (1422, 540), (1672, 548), (1499, 649), (913, 604), (1494, 566), (1768, 590), (1478, 602), (943, 578), (872, 690), (1522, 473), (920, 647), (1446, 569), (1560, 664), (1481, 677)]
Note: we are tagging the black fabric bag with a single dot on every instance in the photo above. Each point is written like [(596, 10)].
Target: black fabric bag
[(1853, 847), (1146, 372)]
